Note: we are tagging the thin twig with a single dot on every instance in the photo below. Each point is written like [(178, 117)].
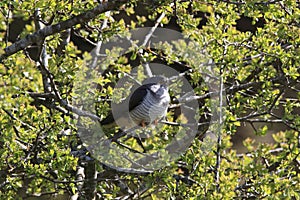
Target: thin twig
[(42, 53), (146, 41), (256, 3), (273, 151), (219, 138), (99, 43), (16, 119)]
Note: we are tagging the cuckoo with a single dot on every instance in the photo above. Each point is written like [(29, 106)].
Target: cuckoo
[(147, 105)]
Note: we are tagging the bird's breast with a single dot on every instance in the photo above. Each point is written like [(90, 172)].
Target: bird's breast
[(151, 108)]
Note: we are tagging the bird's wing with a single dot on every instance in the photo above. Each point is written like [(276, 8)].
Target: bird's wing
[(136, 99), (138, 96)]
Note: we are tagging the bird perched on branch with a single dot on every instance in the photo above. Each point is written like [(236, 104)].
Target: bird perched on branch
[(147, 105)]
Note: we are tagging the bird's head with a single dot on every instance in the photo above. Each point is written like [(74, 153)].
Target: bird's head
[(158, 86)]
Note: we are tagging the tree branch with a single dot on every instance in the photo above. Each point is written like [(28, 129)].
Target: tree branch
[(56, 28)]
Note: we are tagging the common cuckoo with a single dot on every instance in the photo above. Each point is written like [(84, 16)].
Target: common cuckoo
[(147, 105)]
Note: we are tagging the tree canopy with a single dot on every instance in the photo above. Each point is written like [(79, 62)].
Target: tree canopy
[(232, 65)]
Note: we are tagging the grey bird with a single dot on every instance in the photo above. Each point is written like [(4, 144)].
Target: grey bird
[(147, 105)]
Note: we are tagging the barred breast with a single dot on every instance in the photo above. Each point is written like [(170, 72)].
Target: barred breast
[(151, 108)]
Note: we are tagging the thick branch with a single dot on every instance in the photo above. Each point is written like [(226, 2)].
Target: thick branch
[(56, 28)]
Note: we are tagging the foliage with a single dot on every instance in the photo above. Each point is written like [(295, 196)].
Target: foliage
[(259, 65)]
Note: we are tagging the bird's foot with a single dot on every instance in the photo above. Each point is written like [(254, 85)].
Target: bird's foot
[(143, 124)]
